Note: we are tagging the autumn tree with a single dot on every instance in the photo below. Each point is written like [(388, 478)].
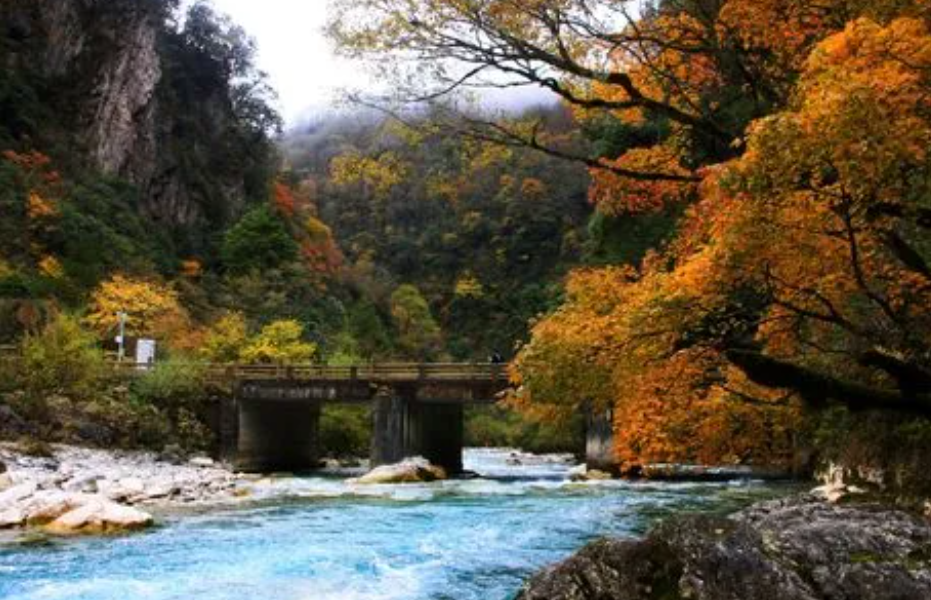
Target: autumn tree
[(800, 277), (279, 342), (151, 309)]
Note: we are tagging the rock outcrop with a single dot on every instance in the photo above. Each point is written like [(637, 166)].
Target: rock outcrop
[(126, 97), (410, 470), (797, 549)]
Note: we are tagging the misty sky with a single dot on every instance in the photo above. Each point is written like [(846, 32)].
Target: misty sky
[(294, 51), (300, 60)]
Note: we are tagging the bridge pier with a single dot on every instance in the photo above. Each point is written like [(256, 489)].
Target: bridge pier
[(404, 427), (599, 440)]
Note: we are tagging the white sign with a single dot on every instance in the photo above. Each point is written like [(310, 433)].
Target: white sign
[(145, 352)]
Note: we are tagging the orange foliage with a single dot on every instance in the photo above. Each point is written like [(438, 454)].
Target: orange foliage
[(192, 268), (283, 198), (615, 194), (809, 249)]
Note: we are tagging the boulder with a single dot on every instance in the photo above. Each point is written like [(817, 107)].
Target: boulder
[(84, 483), (45, 506), (410, 470), (202, 461), (590, 475), (99, 516), (797, 549), (11, 517), (172, 454), (132, 485), (17, 493)]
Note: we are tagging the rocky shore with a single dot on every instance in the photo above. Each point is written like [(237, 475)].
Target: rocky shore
[(83, 491), (795, 549), (78, 490)]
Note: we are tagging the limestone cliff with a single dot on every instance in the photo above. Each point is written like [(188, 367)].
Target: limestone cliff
[(117, 76)]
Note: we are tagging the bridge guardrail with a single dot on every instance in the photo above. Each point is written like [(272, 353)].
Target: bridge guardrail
[(388, 372), (376, 372)]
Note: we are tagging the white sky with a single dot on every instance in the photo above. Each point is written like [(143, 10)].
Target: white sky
[(302, 65), (294, 51)]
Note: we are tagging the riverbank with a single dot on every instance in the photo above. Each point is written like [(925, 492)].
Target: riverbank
[(801, 548), (77, 490)]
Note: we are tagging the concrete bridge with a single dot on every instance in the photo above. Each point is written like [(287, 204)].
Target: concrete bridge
[(271, 421)]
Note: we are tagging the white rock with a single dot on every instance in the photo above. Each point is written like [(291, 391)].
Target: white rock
[(410, 470), (99, 516), (12, 517), (202, 461), (132, 485), (17, 493), (161, 488), (83, 483)]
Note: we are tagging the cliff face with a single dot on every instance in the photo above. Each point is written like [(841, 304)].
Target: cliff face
[(107, 68)]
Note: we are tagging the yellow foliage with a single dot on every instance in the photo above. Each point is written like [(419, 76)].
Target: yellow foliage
[(225, 340), (279, 343), (152, 309), (467, 286), (50, 267), (378, 174)]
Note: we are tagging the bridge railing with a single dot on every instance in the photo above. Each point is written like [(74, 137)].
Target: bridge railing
[(387, 372)]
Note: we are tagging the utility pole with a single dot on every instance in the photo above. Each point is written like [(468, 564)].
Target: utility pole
[(121, 338)]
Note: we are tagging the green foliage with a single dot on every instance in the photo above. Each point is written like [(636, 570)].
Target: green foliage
[(259, 241), (345, 431), (472, 226), (279, 343), (495, 427), (170, 396), (367, 328), (626, 240), (171, 384), (418, 335), (62, 359)]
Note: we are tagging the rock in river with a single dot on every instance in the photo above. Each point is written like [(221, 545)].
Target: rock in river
[(796, 549), (410, 470), (99, 516)]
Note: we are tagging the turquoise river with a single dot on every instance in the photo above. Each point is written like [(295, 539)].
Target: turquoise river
[(319, 538)]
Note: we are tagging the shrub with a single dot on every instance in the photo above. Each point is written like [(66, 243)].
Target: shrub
[(62, 359), (171, 384)]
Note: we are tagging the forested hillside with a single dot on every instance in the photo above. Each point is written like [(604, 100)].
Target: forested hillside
[(482, 233)]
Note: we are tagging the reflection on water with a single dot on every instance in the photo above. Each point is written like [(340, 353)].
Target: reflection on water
[(320, 538)]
